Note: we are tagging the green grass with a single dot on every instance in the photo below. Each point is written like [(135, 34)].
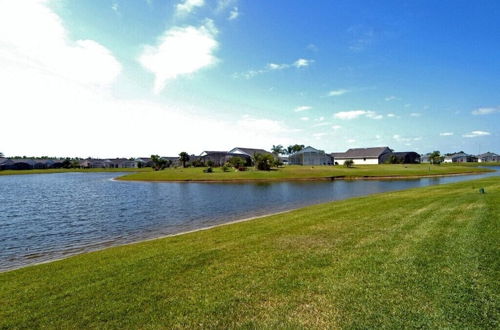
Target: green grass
[(65, 170), (420, 258), (301, 173)]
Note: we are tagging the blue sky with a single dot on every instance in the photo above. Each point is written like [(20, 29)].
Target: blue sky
[(131, 78)]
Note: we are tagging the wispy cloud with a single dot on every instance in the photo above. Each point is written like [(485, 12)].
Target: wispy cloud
[(353, 114), (233, 14), (318, 136), (486, 111), (302, 108), (187, 6), (302, 63), (304, 118), (361, 37), (390, 98), (180, 51), (312, 47), (474, 134), (336, 127), (391, 115), (415, 114), (299, 64), (338, 92), (115, 7), (446, 134)]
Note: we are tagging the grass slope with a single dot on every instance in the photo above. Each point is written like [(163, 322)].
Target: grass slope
[(426, 257), (64, 170), (302, 173)]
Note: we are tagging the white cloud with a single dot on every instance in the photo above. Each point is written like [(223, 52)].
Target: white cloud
[(353, 114), (415, 114), (58, 85), (187, 6), (312, 47), (180, 51), (31, 35), (233, 14), (115, 7), (336, 127), (302, 108), (302, 62), (338, 92), (446, 134), (320, 118), (486, 111), (407, 105), (321, 124), (304, 118), (351, 140), (275, 66), (474, 134), (391, 115), (391, 98)]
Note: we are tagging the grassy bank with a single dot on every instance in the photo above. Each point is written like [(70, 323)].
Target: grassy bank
[(302, 173), (426, 257), (65, 170)]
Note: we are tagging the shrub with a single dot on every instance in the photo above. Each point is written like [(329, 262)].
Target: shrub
[(237, 162), (208, 170), (348, 163)]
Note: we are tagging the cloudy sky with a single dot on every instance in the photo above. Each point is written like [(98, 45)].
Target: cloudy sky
[(108, 78)]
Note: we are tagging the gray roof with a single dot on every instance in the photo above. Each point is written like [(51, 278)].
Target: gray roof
[(250, 151), (308, 149), (361, 152), (488, 154)]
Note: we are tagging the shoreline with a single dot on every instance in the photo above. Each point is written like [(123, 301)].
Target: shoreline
[(69, 255), (328, 178)]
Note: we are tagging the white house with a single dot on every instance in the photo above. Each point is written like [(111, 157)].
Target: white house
[(361, 156)]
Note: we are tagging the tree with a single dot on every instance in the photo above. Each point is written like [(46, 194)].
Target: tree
[(278, 150), (184, 158), (348, 163), (295, 148), (435, 157), (237, 162), (158, 162), (263, 162), (66, 163), (1, 154)]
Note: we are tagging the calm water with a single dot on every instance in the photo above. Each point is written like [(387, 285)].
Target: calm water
[(44, 217)]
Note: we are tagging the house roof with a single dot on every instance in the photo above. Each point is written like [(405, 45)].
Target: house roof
[(308, 149), (206, 153), (362, 152), (248, 151), (488, 154)]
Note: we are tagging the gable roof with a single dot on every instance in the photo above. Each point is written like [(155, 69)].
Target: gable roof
[(375, 152), (248, 151), (308, 149)]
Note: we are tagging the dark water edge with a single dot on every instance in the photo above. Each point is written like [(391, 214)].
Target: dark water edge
[(52, 216)]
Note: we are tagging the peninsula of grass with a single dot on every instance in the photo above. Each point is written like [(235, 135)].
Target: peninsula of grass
[(420, 258), (66, 170), (288, 173)]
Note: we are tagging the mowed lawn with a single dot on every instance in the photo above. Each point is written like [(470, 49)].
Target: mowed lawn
[(426, 257), (302, 172)]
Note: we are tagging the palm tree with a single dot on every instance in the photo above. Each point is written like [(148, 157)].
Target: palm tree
[(278, 150), (184, 157)]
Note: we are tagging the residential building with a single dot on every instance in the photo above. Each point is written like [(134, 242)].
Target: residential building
[(460, 157), (406, 157), (360, 156), (488, 157), (310, 156)]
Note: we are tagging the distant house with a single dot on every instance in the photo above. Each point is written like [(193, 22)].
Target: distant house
[(406, 157), (310, 156), (248, 153), (144, 162), (122, 163), (360, 156), (460, 157), (218, 158), (95, 163), (488, 157)]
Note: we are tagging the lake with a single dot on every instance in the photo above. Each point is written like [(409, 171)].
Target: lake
[(51, 216)]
